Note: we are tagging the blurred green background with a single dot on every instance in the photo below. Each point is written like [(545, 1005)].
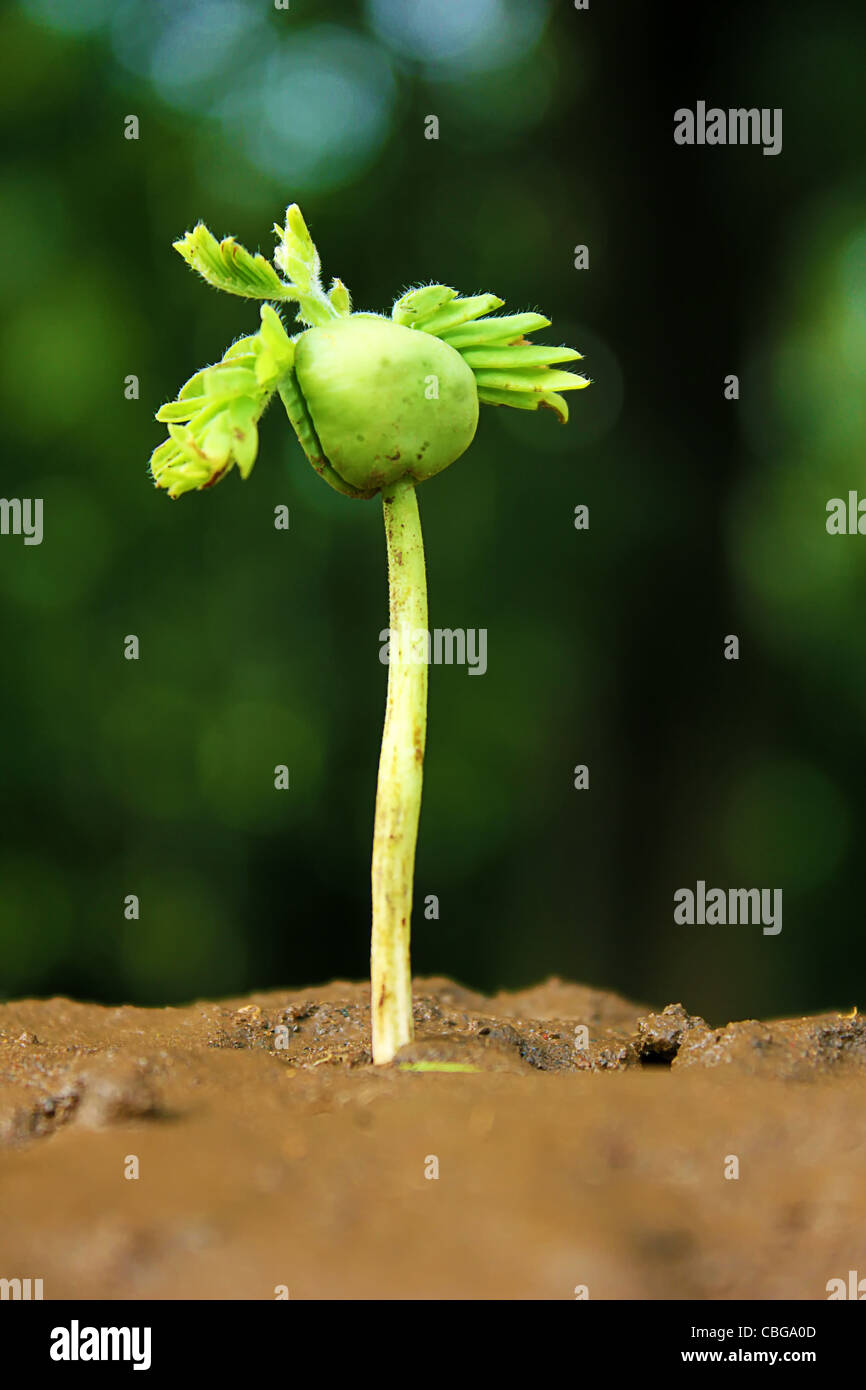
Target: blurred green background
[(260, 647)]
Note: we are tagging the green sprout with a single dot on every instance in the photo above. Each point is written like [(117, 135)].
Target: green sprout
[(378, 405)]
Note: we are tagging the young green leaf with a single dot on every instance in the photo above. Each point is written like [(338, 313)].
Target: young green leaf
[(416, 305), (518, 355), (534, 379), (230, 267), (526, 400), (340, 298), (508, 329), (459, 312)]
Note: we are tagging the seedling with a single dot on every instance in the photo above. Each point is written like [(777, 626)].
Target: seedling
[(379, 405)]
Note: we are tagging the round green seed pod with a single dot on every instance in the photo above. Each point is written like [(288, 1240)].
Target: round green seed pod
[(387, 402)]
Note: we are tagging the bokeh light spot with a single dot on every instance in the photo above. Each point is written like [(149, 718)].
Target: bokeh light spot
[(471, 34), (316, 112)]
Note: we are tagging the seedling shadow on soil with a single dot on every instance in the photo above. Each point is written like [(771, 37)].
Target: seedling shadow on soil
[(524, 1145)]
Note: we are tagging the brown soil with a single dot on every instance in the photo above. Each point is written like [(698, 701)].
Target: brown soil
[(271, 1153)]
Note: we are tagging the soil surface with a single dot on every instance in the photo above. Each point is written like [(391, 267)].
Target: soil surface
[(524, 1146)]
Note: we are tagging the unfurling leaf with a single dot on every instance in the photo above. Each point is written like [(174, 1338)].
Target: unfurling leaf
[(230, 267), (213, 424)]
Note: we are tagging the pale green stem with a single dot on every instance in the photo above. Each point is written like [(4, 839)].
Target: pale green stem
[(401, 765)]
